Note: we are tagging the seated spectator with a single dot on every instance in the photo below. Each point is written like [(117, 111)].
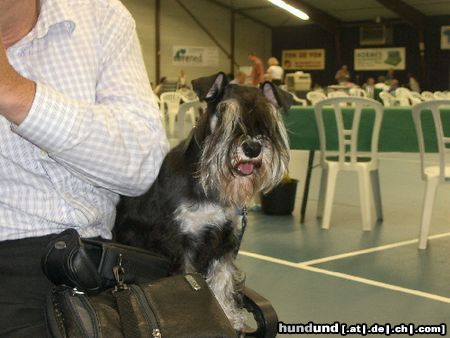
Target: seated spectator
[(240, 78), (369, 87), (393, 87), (275, 72), (342, 75)]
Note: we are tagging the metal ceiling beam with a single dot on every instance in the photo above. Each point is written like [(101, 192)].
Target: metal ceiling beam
[(207, 32), (241, 13), (405, 11), (330, 23)]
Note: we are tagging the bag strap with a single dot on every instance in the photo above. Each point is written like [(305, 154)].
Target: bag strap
[(130, 323), (123, 297)]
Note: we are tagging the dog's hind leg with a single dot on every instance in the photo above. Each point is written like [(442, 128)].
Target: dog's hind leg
[(222, 278)]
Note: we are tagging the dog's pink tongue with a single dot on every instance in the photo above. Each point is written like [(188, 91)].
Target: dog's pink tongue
[(246, 168)]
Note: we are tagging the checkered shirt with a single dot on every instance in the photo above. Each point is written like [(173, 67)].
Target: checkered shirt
[(93, 131)]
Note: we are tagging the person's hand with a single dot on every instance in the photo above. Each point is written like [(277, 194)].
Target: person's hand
[(16, 92)]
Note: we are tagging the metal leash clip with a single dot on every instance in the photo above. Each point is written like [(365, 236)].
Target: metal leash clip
[(119, 276)]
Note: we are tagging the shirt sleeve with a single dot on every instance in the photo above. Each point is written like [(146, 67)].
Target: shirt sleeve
[(118, 142)]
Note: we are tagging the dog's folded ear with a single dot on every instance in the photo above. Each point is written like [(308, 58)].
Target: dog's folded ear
[(210, 88), (278, 97)]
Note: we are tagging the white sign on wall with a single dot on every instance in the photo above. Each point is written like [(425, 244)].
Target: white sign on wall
[(445, 37), (380, 58), (195, 56)]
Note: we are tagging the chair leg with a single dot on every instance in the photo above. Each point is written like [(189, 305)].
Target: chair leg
[(172, 117), (365, 198), (322, 190), (375, 177), (430, 194), (329, 196)]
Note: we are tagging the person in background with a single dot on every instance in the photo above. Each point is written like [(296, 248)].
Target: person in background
[(275, 71), (393, 87), (240, 78), (158, 87), (78, 128), (369, 87), (413, 84), (342, 75), (390, 76), (182, 79), (257, 74)]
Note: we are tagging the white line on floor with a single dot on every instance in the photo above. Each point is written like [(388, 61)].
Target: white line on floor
[(378, 284), (307, 266), (370, 250)]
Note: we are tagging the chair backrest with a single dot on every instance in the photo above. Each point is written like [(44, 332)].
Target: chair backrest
[(384, 87), (337, 93), (298, 101), (402, 91), (389, 100), (441, 95), (427, 95), (187, 94), (315, 96), (442, 140), (348, 151), (198, 108), (357, 92), (417, 96), (404, 97), (170, 100)]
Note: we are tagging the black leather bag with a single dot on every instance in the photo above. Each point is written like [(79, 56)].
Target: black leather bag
[(145, 303), (177, 306)]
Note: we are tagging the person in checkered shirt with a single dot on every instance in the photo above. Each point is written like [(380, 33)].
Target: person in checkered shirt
[(78, 128)]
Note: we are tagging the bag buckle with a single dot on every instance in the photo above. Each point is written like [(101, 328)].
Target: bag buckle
[(119, 276)]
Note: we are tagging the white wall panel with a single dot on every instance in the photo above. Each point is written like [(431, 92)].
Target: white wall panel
[(178, 28)]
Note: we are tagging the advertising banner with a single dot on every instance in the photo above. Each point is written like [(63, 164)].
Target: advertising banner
[(380, 58), (303, 59), (195, 56), (445, 37)]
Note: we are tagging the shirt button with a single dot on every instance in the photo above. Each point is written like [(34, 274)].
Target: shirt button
[(43, 153)]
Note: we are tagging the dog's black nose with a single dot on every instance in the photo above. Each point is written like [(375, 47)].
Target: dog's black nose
[(251, 149)]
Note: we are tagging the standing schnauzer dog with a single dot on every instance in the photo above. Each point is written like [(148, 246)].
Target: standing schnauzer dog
[(190, 214)]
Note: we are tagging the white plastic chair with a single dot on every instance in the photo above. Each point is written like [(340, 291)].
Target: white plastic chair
[(315, 96), (188, 95), (384, 87), (298, 101), (169, 105), (427, 95), (192, 108), (359, 92), (417, 96), (337, 93), (406, 98), (431, 174), (441, 95), (350, 158), (389, 100)]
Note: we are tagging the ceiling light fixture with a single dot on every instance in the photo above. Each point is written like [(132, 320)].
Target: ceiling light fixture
[(298, 13)]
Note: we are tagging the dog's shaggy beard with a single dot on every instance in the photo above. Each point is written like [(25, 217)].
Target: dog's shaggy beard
[(222, 152)]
